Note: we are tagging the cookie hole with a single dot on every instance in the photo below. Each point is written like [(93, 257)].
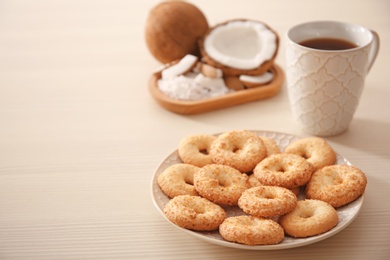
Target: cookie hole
[(224, 182), (193, 208), (264, 195), (221, 184), (236, 149), (306, 214), (198, 210), (189, 180), (204, 151), (333, 178), (305, 155)]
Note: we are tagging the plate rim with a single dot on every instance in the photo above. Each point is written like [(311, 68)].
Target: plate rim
[(280, 246)]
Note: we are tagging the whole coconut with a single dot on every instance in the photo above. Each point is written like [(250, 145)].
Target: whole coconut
[(173, 29)]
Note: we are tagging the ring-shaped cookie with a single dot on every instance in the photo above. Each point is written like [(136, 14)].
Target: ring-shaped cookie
[(338, 185), (194, 149), (285, 170), (178, 179), (251, 230), (315, 150), (309, 218), (241, 150), (221, 184), (267, 201), (194, 212)]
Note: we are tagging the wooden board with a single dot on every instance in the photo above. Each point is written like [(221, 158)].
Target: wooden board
[(209, 104)]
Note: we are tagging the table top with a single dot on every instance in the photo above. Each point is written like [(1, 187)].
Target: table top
[(81, 136)]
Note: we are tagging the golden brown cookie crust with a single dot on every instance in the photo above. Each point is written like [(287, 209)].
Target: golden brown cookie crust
[(194, 212), (285, 170), (338, 185), (309, 218), (241, 150), (251, 230), (194, 149), (315, 150), (178, 179), (220, 184), (267, 201)]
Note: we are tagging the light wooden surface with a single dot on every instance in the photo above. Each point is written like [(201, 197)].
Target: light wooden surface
[(81, 136)]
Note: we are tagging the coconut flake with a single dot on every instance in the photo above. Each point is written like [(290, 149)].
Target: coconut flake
[(215, 86), (192, 86), (241, 44), (260, 79), (183, 66)]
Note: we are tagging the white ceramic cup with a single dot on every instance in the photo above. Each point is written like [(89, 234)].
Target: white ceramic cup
[(324, 86)]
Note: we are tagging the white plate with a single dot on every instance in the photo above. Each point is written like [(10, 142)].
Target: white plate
[(346, 213)]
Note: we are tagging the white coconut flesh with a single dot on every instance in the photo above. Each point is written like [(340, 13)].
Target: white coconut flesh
[(260, 79), (241, 44), (183, 66)]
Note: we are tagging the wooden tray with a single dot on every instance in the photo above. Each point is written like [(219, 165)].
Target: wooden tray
[(209, 104)]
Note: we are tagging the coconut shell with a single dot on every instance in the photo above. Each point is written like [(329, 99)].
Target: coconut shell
[(173, 29), (230, 71)]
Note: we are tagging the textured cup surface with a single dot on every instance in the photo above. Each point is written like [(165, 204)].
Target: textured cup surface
[(325, 87)]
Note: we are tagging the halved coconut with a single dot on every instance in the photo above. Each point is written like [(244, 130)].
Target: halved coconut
[(240, 47)]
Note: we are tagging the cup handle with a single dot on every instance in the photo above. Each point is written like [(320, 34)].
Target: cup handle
[(374, 50)]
